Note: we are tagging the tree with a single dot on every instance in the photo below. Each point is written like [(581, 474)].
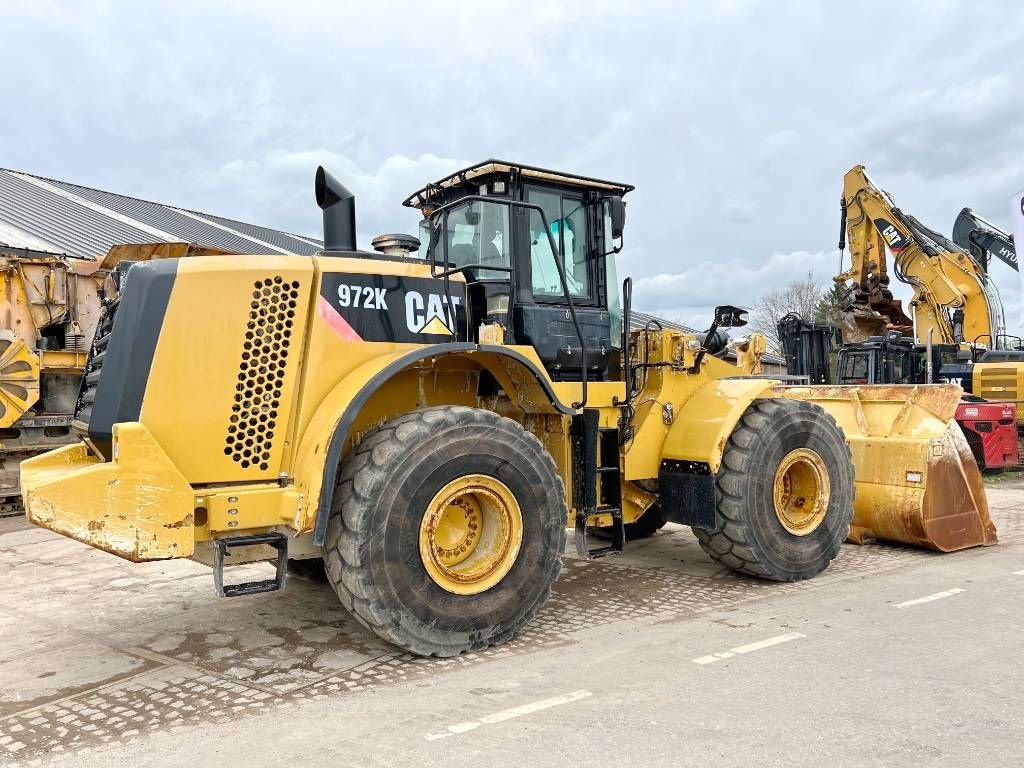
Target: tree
[(805, 297), (830, 306)]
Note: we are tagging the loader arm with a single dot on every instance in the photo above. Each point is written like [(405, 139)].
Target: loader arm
[(952, 296)]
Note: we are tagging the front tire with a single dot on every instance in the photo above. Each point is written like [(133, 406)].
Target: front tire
[(447, 530), (784, 493)]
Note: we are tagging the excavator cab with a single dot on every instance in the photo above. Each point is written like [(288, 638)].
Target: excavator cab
[(536, 249), (893, 359)]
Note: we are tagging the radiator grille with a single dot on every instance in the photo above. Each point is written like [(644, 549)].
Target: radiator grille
[(254, 414)]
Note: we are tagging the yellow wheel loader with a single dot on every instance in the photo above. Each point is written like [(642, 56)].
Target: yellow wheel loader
[(432, 423)]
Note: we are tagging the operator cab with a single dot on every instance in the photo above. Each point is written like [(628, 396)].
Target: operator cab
[(533, 245)]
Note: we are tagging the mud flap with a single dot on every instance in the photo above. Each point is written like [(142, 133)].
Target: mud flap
[(688, 493)]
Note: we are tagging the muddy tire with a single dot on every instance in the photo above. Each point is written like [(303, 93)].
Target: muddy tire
[(394, 500), (648, 524), (784, 493)]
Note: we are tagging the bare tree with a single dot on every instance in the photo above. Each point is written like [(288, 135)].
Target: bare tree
[(805, 297)]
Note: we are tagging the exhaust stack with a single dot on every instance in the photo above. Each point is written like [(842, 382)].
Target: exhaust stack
[(339, 207)]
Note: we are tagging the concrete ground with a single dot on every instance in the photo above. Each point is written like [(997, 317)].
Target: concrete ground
[(893, 657)]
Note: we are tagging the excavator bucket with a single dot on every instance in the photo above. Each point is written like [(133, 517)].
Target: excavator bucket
[(916, 480)]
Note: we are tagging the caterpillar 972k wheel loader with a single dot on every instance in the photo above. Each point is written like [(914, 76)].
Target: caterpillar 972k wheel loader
[(432, 424)]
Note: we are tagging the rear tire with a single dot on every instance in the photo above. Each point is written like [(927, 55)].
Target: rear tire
[(374, 550), (769, 523)]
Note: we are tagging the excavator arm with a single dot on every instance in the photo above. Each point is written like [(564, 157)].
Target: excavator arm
[(983, 240), (953, 301)]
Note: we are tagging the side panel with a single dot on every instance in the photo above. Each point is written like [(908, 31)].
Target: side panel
[(219, 395), (398, 308), (343, 336)]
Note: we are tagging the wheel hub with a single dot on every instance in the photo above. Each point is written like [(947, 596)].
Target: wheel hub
[(801, 491), (470, 534)]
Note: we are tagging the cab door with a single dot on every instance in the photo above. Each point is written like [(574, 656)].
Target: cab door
[(541, 316)]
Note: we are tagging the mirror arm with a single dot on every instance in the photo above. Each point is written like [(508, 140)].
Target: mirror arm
[(695, 368)]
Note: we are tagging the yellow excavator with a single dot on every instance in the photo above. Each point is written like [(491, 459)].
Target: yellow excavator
[(955, 302), (432, 419)]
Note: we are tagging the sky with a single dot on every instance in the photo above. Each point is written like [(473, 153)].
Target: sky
[(735, 120)]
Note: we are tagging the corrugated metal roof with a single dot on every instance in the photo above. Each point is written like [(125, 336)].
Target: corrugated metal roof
[(69, 226), (86, 222), (292, 243), (639, 320)]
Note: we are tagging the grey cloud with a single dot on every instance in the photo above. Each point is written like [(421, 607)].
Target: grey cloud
[(735, 120)]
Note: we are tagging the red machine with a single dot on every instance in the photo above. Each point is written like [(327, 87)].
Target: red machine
[(991, 431)]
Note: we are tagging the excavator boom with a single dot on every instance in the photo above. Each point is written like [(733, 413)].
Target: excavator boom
[(983, 240)]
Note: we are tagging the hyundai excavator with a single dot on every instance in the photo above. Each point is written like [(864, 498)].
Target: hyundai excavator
[(955, 302), (430, 422), (984, 240)]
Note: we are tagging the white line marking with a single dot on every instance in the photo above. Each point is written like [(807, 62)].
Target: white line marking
[(748, 648), (1018, 573), (508, 714), (929, 598)]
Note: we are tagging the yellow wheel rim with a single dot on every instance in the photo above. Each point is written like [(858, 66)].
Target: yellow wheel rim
[(470, 534), (801, 491)]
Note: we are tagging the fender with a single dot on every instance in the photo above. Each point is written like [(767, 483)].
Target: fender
[(694, 446), (703, 424), (333, 420)]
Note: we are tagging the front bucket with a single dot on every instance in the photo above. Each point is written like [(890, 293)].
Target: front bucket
[(916, 479)]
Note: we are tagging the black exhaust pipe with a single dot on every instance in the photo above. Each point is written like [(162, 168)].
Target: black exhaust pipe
[(339, 207)]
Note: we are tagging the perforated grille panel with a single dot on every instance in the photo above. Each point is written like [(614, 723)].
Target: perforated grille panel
[(254, 414)]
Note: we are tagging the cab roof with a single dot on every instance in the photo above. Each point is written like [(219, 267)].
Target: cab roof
[(424, 196)]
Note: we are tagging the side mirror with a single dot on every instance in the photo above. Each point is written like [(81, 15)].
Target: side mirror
[(617, 213), (727, 316)]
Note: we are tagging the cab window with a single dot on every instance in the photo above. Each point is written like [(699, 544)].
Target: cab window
[(473, 233), (855, 369), (567, 221)]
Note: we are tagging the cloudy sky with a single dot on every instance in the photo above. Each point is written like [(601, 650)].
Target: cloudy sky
[(735, 120)]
